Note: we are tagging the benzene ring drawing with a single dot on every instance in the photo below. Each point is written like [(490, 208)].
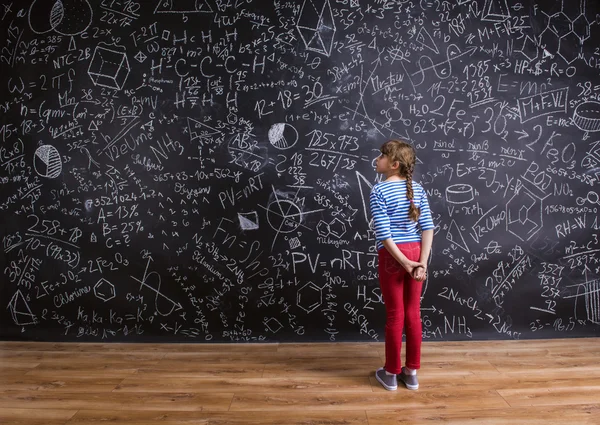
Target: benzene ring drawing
[(316, 26)]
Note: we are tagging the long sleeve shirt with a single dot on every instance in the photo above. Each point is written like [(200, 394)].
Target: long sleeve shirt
[(389, 208)]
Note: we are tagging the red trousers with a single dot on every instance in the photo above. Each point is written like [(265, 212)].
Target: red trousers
[(402, 299)]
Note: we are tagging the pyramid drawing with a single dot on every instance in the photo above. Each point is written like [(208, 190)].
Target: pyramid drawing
[(316, 26), (495, 11), (20, 311), (183, 6)]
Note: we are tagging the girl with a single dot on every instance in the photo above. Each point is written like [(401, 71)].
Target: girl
[(398, 204)]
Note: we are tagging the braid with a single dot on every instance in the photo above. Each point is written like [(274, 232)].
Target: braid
[(413, 211)]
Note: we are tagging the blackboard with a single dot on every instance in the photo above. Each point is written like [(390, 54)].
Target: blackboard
[(199, 170)]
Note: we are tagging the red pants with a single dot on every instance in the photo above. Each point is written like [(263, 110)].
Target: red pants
[(402, 299)]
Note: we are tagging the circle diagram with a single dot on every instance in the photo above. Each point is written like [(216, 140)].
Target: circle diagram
[(66, 17), (284, 216), (47, 162), (283, 136)]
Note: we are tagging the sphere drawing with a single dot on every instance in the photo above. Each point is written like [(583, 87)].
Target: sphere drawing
[(47, 162), (283, 136)]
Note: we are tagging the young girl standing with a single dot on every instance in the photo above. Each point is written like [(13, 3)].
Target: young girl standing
[(399, 206)]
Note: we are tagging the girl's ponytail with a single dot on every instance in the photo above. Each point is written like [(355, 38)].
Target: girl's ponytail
[(414, 212)]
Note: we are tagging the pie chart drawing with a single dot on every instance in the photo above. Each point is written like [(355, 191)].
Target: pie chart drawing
[(284, 221), (47, 162), (283, 136)]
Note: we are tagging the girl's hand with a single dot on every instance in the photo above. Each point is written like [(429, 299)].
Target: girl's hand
[(410, 266), (420, 272)]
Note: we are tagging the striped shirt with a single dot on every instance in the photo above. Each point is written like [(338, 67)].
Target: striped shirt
[(389, 208)]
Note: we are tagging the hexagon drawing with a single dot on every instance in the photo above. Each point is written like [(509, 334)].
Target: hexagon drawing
[(104, 290), (337, 228), (309, 297), (323, 229), (566, 31), (569, 46), (524, 214)]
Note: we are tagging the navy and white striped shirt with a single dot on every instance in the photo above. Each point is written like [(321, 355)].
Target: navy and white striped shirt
[(389, 208)]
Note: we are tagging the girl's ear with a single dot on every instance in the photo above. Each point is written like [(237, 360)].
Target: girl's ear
[(396, 164)]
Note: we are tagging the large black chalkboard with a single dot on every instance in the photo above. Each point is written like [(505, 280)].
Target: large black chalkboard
[(199, 170)]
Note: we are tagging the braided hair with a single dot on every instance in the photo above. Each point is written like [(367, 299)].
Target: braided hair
[(405, 154)]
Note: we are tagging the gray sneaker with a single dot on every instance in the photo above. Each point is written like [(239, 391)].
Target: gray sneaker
[(411, 381), (389, 382)]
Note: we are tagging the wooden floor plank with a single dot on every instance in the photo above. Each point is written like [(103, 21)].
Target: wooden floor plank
[(95, 417), (554, 415), (151, 383), (461, 382), (59, 383), (116, 401), (14, 416), (366, 400)]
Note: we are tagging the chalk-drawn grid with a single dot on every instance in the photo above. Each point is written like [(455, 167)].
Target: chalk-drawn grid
[(316, 26), (592, 301)]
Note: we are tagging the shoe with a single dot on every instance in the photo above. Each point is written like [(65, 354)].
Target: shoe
[(411, 381), (389, 382)]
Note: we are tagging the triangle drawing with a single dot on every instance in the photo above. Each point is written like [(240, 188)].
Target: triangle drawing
[(200, 130), (455, 236), (425, 39)]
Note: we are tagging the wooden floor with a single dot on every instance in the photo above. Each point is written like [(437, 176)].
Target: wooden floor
[(500, 382)]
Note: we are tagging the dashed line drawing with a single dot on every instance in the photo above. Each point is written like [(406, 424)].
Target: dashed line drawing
[(283, 136), (173, 306), (45, 16), (104, 290), (586, 116), (183, 6), (309, 297), (109, 68), (495, 11), (317, 26), (47, 162), (20, 311), (459, 194), (248, 221)]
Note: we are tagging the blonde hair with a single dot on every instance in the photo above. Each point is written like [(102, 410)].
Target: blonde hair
[(405, 154)]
